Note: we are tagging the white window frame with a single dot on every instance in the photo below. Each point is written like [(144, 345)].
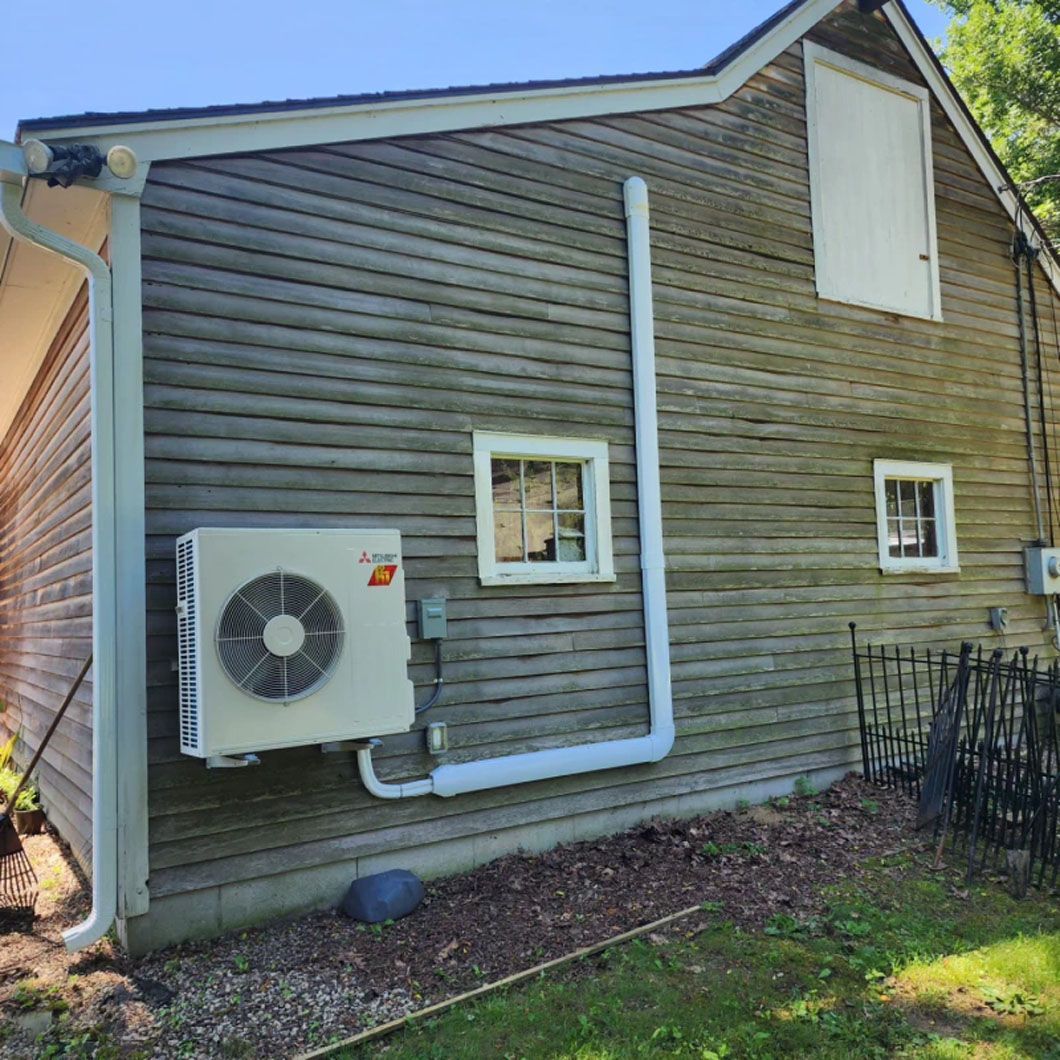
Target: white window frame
[(945, 524), (598, 566), (814, 55)]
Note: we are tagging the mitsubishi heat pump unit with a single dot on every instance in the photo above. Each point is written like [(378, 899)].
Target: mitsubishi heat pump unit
[(290, 637)]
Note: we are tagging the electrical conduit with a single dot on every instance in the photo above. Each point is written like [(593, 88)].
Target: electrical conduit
[(460, 778), (104, 631)]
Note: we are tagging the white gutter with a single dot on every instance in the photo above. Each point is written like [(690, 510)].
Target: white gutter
[(458, 779), (104, 626)]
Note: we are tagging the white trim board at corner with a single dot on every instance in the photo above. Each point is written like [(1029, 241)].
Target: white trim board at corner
[(130, 559)]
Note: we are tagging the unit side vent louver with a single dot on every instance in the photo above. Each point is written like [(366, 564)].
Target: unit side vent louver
[(279, 636), (188, 646)]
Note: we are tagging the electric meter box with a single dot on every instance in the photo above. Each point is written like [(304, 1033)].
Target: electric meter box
[(1043, 571), (290, 637)]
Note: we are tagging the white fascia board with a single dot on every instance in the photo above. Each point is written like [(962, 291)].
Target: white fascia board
[(267, 131), (970, 134)]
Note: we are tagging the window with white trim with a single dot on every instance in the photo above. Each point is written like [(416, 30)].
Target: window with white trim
[(915, 526), (543, 509), (872, 193)]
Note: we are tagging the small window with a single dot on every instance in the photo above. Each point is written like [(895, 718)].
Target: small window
[(543, 509), (872, 194), (914, 516)]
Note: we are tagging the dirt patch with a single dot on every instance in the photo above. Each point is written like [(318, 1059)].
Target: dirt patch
[(273, 991), (764, 814)]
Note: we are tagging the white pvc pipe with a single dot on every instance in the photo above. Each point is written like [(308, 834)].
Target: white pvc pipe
[(382, 790), (649, 488), (104, 621), (463, 777)]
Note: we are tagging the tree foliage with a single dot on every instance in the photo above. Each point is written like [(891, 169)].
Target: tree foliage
[(1004, 57)]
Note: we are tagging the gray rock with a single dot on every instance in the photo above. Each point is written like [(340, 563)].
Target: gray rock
[(35, 1023), (383, 896)]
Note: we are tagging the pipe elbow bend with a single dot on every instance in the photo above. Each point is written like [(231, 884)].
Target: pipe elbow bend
[(662, 742), (382, 790), (89, 931)]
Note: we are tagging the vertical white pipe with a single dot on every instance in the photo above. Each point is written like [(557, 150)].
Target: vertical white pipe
[(458, 779), (649, 487), (104, 627)]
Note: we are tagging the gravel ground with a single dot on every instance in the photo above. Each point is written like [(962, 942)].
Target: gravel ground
[(275, 991)]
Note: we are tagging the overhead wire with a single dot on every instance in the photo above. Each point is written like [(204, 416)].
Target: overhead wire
[(1018, 247), (1022, 247), (1029, 259)]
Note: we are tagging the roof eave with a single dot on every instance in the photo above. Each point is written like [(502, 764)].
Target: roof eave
[(279, 125)]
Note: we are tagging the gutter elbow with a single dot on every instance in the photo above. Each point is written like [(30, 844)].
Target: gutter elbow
[(97, 925)]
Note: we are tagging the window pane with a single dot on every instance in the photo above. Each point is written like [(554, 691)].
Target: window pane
[(538, 484), (890, 488), (928, 538), (505, 483), (569, 487), (508, 536), (571, 537), (910, 539), (907, 495), (894, 540), (540, 537), (927, 498)]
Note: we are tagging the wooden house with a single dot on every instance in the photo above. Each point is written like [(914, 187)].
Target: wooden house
[(663, 379)]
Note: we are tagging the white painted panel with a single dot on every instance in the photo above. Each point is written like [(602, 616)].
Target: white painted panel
[(870, 167)]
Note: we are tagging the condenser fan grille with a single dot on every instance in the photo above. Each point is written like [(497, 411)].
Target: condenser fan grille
[(280, 636)]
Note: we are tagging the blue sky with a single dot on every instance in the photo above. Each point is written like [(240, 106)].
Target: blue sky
[(64, 57)]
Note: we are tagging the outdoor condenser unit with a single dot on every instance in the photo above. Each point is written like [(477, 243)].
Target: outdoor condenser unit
[(290, 637)]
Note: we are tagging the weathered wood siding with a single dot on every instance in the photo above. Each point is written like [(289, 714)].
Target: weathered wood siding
[(325, 327), (46, 577)]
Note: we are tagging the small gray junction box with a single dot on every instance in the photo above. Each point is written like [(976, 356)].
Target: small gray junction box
[(433, 618)]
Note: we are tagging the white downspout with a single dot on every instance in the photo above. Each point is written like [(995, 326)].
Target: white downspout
[(104, 631), (460, 778)]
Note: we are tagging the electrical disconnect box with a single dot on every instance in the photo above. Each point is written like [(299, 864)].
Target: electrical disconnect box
[(433, 619), (1043, 571)]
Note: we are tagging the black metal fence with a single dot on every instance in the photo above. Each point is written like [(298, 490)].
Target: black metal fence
[(975, 737)]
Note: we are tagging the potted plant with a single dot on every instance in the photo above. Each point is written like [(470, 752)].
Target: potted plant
[(29, 817)]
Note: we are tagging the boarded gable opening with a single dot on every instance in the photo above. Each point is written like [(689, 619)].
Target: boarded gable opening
[(871, 186)]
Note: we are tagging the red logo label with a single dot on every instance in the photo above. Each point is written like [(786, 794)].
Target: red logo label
[(383, 574), (365, 558)]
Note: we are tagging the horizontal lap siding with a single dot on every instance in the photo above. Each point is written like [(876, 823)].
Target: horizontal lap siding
[(324, 328), (46, 577)]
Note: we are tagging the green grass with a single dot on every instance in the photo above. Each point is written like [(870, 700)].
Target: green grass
[(905, 964)]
